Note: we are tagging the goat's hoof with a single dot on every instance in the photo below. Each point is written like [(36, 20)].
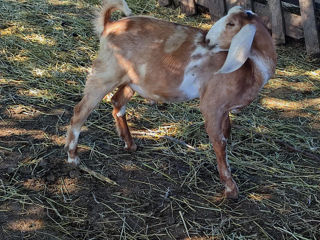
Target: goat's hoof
[(231, 193), (73, 160), (131, 148)]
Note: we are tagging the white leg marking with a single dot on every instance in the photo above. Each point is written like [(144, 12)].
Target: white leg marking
[(122, 111), (75, 160), (74, 142)]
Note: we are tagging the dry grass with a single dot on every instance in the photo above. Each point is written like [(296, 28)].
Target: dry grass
[(166, 190)]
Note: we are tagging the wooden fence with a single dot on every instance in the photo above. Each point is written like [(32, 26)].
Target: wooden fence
[(293, 18)]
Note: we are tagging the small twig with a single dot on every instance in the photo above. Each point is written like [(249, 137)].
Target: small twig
[(184, 224), (166, 137), (98, 175)]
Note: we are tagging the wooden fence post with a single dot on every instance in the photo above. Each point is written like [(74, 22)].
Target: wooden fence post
[(311, 36), (277, 23), (217, 9), (165, 3), (188, 7)]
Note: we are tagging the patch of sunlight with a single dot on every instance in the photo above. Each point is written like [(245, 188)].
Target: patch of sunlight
[(62, 185), (262, 129), (18, 58), (10, 30), (39, 38), (285, 73), (22, 112), (259, 197), (315, 74), (25, 225), (168, 130), (276, 103), (181, 16), (36, 93), (35, 184), (7, 131), (37, 72), (68, 67), (205, 26), (277, 83), (8, 81), (204, 147), (67, 184)]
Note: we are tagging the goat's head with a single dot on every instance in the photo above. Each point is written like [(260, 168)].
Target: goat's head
[(234, 32)]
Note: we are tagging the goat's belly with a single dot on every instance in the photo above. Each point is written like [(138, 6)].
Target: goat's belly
[(182, 93)]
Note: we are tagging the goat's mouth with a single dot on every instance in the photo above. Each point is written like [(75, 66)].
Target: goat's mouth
[(210, 45)]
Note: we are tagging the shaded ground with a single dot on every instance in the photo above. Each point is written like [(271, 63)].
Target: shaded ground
[(165, 190)]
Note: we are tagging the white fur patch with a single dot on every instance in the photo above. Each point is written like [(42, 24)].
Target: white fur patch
[(175, 41), (142, 70), (75, 160), (122, 111), (190, 85), (216, 30), (228, 189), (74, 141), (263, 65)]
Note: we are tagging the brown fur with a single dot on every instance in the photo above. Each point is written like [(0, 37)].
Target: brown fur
[(152, 56)]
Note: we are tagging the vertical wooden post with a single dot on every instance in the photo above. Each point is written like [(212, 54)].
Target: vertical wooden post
[(217, 9), (247, 4), (311, 35), (188, 7), (277, 22), (164, 3)]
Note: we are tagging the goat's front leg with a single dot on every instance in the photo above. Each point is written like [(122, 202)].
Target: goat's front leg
[(218, 129), (119, 101)]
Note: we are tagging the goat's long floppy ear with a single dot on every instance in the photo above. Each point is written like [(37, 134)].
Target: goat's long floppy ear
[(239, 50)]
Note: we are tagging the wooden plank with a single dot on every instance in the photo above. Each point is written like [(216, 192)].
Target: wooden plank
[(165, 3), (176, 3), (246, 4), (277, 24), (217, 9), (311, 36), (204, 3), (293, 22), (188, 7)]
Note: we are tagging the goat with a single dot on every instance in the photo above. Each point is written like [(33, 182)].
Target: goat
[(162, 61)]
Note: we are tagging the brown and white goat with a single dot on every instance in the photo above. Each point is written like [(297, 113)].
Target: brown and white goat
[(168, 62)]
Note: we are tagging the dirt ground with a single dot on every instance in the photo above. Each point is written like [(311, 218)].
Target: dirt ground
[(165, 190)]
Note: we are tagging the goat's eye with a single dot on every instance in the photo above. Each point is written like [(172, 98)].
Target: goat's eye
[(230, 24)]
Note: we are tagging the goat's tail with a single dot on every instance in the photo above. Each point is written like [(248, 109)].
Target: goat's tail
[(104, 14)]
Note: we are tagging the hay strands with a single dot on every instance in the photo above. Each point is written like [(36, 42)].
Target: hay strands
[(97, 175)]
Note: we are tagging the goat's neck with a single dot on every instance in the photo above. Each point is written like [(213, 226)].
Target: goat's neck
[(263, 65)]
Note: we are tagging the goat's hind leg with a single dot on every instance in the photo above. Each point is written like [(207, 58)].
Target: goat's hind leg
[(95, 90), (119, 101)]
